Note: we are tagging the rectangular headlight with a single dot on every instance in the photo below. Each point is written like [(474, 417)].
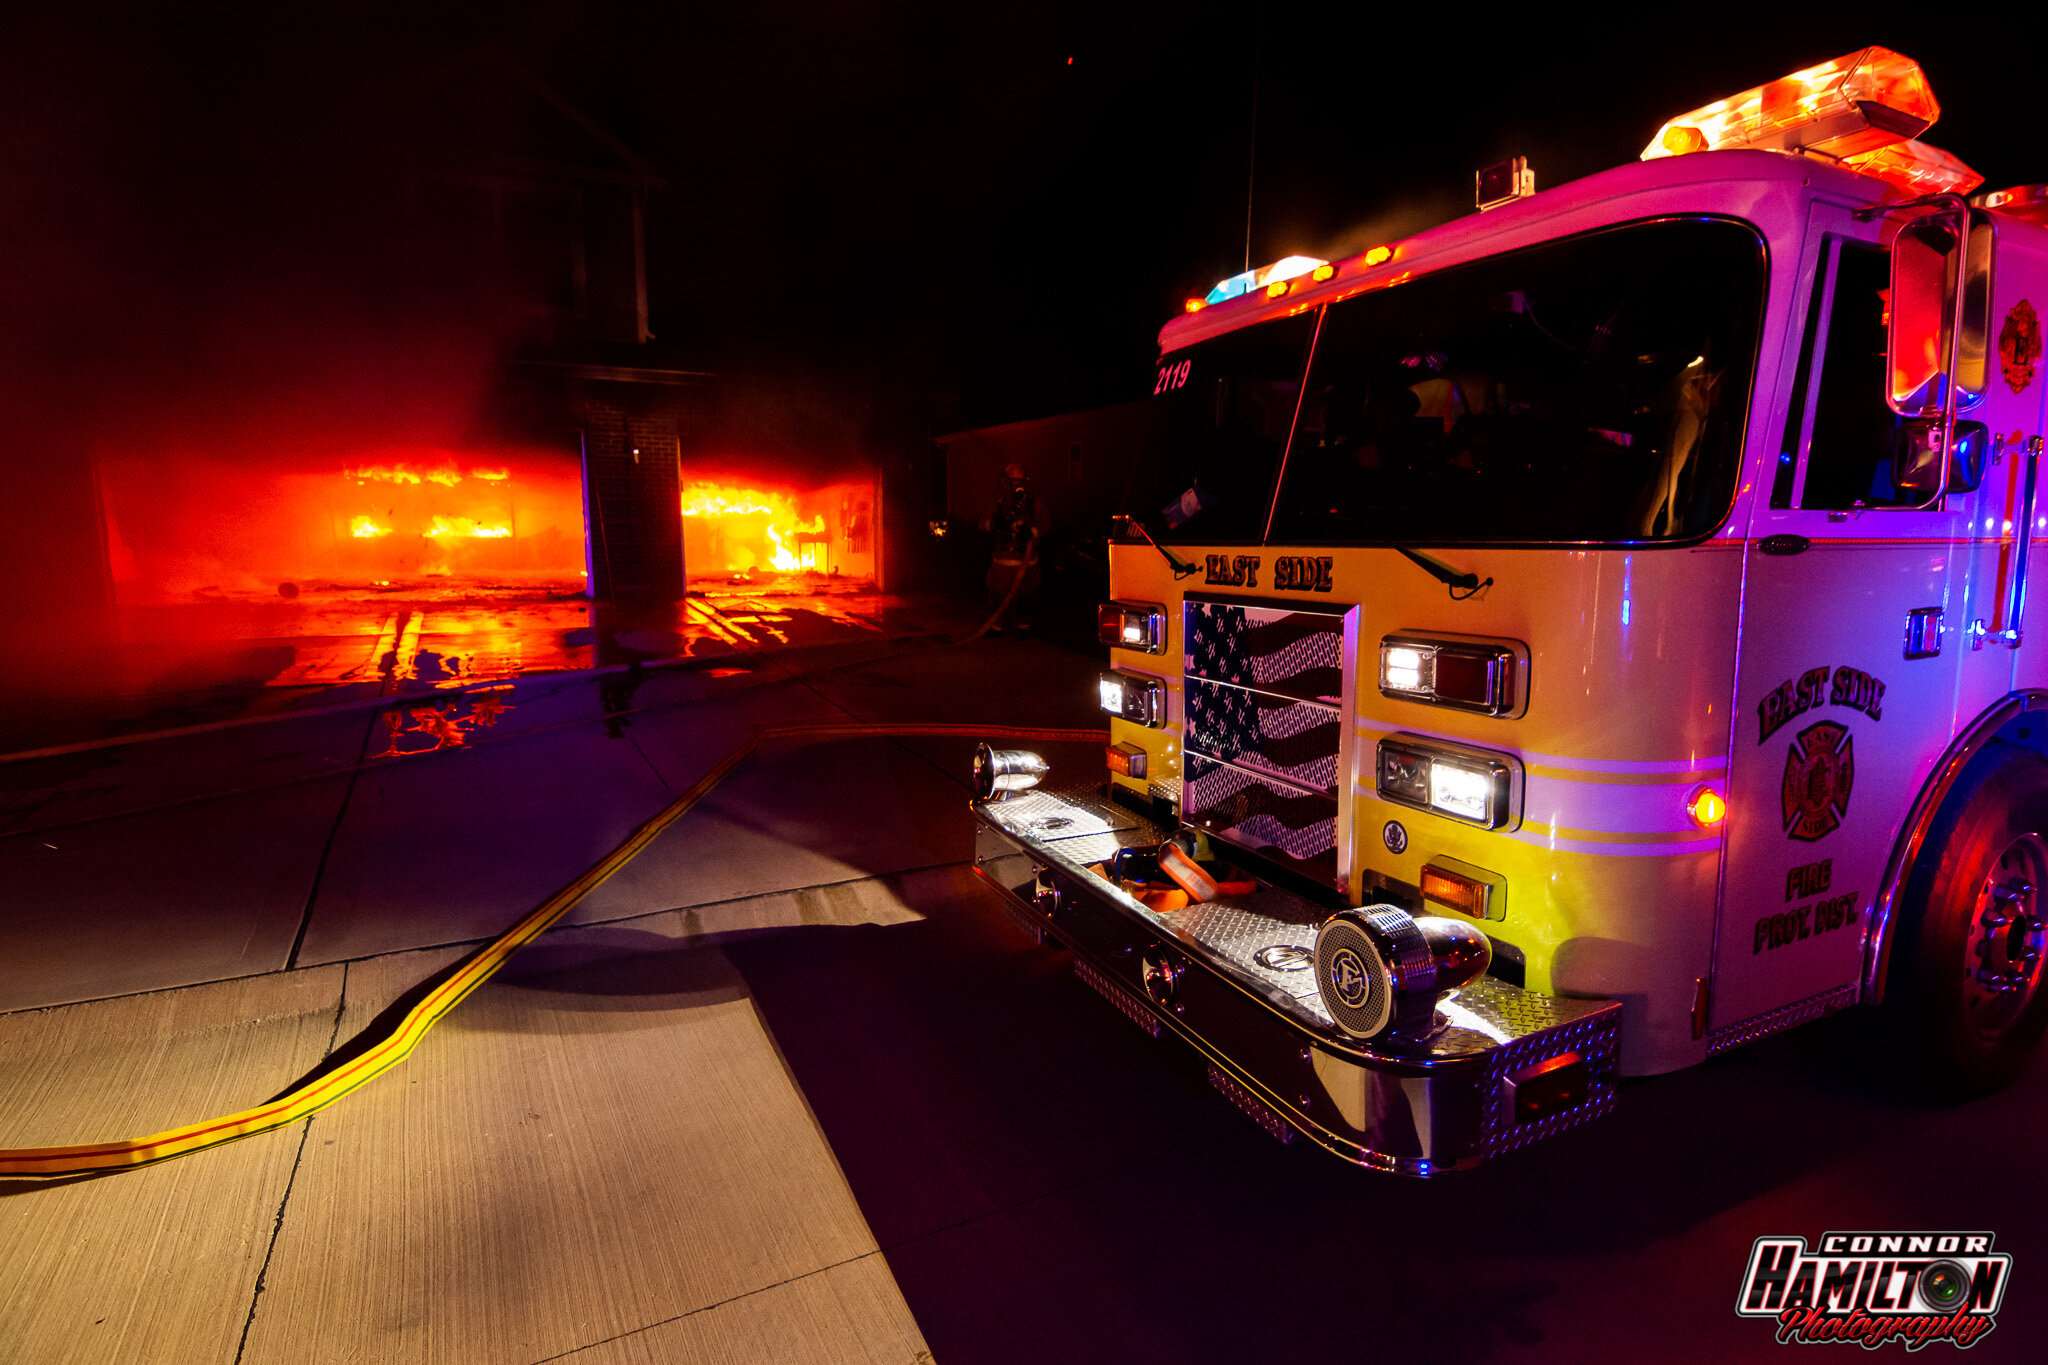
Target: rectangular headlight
[(1133, 696), (1465, 784), (1461, 791), (1468, 675), (1132, 625)]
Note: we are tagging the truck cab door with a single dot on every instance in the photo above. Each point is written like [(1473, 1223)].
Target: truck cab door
[(1836, 716)]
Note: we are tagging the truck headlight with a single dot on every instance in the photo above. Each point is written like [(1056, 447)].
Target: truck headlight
[(1470, 675), (1132, 625), (1472, 785), (1381, 970), (1133, 696)]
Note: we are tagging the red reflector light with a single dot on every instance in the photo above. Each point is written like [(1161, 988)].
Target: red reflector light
[(1549, 1087), (1109, 623), (1127, 759), (1132, 625)]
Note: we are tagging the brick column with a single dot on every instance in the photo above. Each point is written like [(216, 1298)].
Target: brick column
[(632, 503)]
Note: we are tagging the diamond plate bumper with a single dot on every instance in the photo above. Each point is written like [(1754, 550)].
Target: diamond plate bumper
[(1422, 1107)]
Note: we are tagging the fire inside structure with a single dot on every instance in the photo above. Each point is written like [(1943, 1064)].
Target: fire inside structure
[(489, 522), (389, 517), (741, 531), (443, 567)]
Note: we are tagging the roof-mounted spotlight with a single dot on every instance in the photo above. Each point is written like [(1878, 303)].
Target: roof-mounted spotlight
[(998, 772)]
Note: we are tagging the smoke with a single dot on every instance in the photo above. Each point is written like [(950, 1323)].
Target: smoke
[(810, 428), (1412, 215), (214, 295)]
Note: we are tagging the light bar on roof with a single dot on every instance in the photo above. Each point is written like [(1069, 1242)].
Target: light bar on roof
[(1852, 104), (1915, 168), (1286, 268)]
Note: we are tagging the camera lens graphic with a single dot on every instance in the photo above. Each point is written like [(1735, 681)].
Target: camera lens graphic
[(1943, 1285)]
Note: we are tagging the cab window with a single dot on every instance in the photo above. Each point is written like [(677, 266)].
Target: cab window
[(1221, 411), (1591, 389), (1849, 460)]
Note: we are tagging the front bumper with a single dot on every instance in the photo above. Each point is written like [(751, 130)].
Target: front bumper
[(1417, 1107)]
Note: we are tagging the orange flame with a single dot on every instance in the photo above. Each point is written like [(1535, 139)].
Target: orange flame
[(463, 526), (705, 499), (363, 529), (382, 473), (445, 474)]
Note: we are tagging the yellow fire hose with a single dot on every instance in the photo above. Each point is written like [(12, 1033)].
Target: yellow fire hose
[(378, 1055)]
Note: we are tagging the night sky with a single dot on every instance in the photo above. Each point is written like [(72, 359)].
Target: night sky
[(993, 205)]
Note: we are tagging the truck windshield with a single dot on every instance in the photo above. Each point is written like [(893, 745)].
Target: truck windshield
[(1220, 414), (1590, 389)]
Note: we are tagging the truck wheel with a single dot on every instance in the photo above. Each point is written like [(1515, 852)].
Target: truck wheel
[(1964, 998)]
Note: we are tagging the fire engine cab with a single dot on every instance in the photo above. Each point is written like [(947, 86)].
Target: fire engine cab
[(1580, 639)]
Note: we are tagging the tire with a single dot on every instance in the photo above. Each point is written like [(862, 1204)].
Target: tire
[(1964, 1004)]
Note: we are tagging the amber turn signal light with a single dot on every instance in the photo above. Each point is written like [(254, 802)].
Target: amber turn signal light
[(1464, 888), (1706, 806)]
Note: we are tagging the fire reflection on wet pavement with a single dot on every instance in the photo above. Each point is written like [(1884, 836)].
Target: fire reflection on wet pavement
[(221, 657), (440, 636)]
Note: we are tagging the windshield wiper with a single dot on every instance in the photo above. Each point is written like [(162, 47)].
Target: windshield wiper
[(1181, 568), (1449, 577)]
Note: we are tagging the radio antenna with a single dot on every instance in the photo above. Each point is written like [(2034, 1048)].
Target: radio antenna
[(1251, 159)]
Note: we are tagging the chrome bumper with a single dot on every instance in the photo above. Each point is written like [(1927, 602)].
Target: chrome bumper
[(1422, 1107)]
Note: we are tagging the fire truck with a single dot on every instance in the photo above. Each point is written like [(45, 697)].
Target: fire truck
[(1580, 639)]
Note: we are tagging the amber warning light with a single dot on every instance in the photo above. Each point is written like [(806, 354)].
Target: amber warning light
[(1863, 110), (1852, 104), (1707, 807), (1464, 888)]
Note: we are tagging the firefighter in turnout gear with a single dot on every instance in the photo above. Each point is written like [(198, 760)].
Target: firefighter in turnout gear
[(1017, 524)]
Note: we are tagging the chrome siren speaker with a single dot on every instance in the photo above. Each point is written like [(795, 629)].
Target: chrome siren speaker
[(998, 772), (1381, 970)]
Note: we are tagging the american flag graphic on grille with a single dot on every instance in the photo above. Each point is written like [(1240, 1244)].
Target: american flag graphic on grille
[(1296, 653), (1263, 730), (1296, 740), (1294, 828)]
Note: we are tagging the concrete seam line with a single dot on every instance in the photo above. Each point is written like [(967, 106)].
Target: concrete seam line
[(324, 1087), (636, 916)]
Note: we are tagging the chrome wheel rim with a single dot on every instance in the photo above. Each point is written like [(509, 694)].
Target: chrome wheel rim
[(2003, 952)]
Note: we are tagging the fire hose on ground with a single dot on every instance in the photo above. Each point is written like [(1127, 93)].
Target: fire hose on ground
[(1024, 567), (370, 1055)]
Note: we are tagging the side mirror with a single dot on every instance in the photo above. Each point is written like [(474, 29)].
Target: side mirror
[(1926, 355), (1916, 458)]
